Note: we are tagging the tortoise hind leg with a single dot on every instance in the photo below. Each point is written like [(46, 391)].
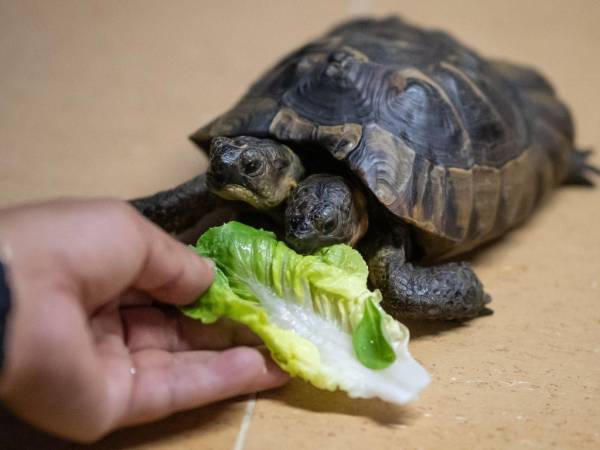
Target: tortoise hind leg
[(448, 291)]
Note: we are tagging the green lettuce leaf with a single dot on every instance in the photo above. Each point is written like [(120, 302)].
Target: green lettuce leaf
[(314, 313), (371, 347)]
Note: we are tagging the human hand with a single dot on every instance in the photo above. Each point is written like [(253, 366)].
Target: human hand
[(87, 348)]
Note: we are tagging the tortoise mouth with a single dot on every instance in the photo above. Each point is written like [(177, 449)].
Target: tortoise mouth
[(241, 193)]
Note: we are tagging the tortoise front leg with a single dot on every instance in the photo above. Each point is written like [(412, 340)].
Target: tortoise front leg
[(180, 208), (188, 209), (443, 292)]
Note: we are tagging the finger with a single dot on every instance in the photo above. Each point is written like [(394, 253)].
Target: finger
[(165, 389), (217, 336), (151, 327), (94, 250), (171, 272)]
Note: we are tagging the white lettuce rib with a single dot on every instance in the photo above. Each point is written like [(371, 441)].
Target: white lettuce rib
[(399, 383)]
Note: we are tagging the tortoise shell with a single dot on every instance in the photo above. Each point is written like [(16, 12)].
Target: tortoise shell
[(459, 146)]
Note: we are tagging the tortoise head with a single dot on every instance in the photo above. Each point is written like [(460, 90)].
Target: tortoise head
[(324, 210), (261, 172)]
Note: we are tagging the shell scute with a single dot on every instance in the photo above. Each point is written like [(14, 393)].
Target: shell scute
[(459, 146)]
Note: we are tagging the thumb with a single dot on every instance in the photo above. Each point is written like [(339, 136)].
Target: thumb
[(171, 272), (98, 249)]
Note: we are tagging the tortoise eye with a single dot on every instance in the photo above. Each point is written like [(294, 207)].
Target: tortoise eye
[(252, 167), (328, 221), (329, 225)]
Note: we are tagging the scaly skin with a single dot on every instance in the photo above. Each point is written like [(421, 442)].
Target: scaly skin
[(449, 291), (180, 208), (446, 291)]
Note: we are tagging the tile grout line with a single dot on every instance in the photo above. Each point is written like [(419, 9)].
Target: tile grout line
[(355, 8), (240, 440)]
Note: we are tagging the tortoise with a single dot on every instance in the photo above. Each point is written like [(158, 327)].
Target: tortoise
[(395, 139)]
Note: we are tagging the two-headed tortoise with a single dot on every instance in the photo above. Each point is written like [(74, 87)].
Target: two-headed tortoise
[(396, 139)]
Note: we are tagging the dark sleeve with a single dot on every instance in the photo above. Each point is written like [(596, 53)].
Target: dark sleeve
[(4, 309)]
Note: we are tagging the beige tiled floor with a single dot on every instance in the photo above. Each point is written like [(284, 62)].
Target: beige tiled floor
[(97, 98)]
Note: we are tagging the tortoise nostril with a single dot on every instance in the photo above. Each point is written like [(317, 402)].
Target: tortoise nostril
[(216, 174), (219, 171), (220, 140), (333, 70), (298, 224), (216, 144), (216, 163), (219, 145)]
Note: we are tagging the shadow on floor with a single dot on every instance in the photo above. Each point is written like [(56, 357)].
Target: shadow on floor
[(299, 394)]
